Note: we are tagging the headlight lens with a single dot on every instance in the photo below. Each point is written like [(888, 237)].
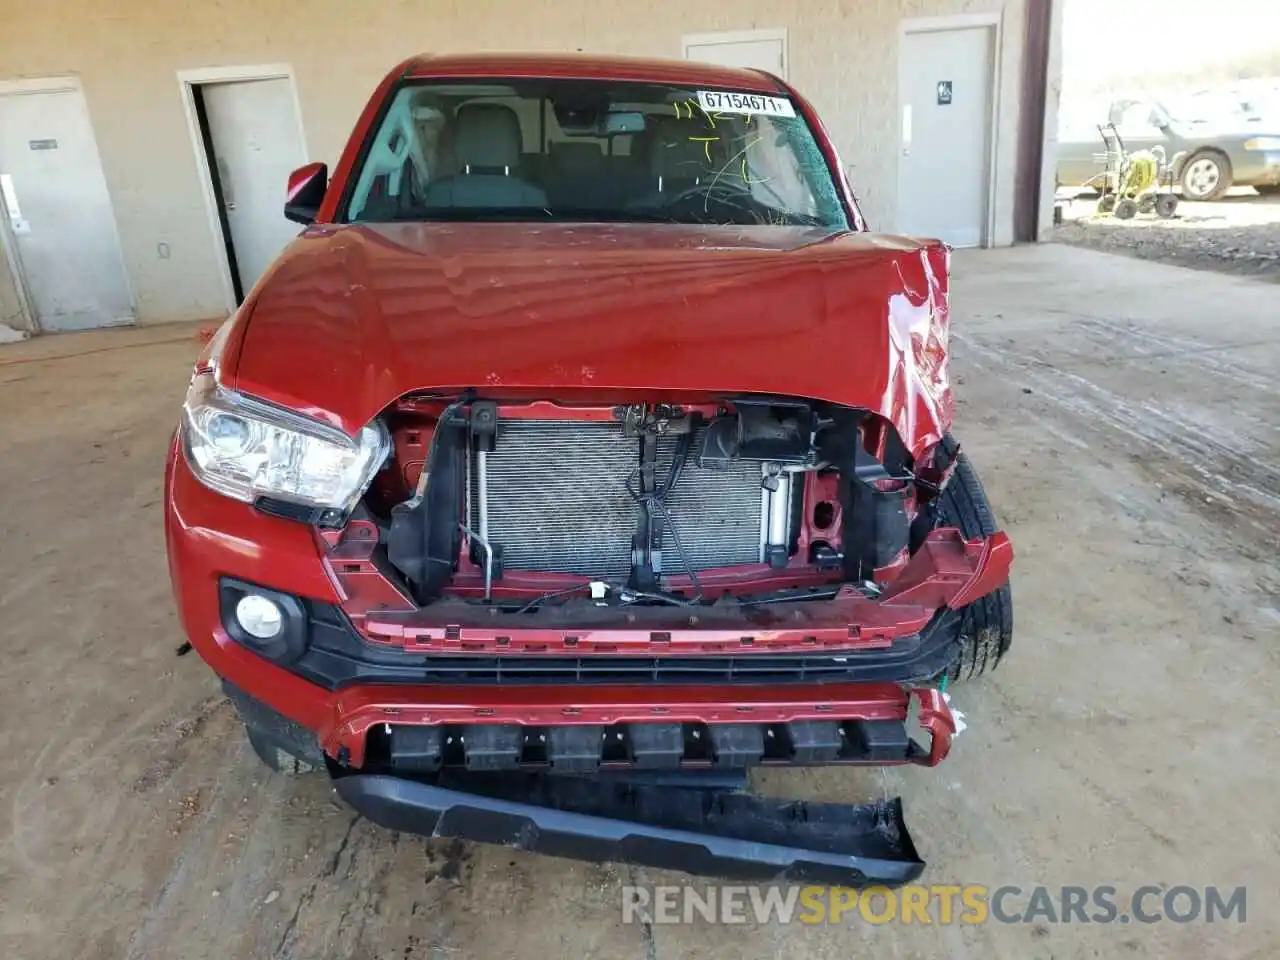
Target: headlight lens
[(245, 448), (1262, 143)]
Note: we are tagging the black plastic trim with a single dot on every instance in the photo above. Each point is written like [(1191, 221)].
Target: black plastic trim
[(338, 656), (329, 518), (701, 832)]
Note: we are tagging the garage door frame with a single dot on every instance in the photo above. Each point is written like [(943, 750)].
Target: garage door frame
[(961, 21), (187, 81)]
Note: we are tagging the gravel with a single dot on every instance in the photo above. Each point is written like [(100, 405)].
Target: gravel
[(1239, 234)]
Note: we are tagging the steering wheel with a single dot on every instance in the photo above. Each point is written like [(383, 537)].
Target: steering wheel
[(721, 191)]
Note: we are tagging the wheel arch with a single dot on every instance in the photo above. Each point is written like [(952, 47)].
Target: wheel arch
[(1186, 156)]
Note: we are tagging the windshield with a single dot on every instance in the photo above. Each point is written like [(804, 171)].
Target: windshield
[(592, 151)]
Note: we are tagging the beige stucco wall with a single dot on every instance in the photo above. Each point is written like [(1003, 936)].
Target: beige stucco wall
[(842, 54)]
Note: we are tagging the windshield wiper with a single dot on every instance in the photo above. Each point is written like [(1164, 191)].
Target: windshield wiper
[(771, 217), (473, 214)]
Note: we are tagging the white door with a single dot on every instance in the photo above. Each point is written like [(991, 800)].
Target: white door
[(60, 212), (753, 49), (945, 79), (253, 126)]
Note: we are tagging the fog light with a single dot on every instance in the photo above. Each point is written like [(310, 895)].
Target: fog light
[(259, 617)]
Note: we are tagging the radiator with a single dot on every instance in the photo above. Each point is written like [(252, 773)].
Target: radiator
[(556, 502)]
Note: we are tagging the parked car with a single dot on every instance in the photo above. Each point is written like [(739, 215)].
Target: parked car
[(1208, 157), (584, 450), (1250, 102)]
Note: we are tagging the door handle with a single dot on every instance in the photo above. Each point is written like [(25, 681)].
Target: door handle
[(230, 204)]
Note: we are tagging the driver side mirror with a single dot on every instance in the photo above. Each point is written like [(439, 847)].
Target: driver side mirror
[(305, 193)]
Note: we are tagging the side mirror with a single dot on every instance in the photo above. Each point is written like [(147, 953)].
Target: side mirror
[(306, 190)]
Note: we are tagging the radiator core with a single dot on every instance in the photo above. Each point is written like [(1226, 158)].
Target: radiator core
[(557, 501)]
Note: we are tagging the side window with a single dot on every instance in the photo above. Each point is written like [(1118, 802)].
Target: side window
[(1137, 120)]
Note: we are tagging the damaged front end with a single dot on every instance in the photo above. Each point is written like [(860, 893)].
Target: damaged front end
[(615, 559), (546, 606), (707, 503)]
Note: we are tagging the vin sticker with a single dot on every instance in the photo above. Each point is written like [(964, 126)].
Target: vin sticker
[(714, 101)]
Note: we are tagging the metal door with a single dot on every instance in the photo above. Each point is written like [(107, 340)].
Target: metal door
[(253, 128), (59, 211), (945, 79)]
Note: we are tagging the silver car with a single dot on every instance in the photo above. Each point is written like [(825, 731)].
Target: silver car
[(1208, 156)]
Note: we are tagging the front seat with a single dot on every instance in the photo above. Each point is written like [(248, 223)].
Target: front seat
[(486, 145), (677, 158)]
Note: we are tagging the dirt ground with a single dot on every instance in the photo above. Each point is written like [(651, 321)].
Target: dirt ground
[(1124, 417), (1238, 234)]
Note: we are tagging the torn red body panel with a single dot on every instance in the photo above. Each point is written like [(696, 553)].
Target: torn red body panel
[(581, 310), (947, 571)]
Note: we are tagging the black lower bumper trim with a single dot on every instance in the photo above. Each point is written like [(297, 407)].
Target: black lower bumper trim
[(337, 656), (704, 833)]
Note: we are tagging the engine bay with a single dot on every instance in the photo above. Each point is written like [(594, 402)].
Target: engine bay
[(519, 503)]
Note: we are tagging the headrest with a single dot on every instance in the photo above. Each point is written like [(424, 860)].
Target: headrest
[(678, 149), (486, 135)]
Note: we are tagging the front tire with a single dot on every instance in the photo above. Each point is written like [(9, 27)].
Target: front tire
[(276, 756), (280, 743), (1206, 176), (986, 625)]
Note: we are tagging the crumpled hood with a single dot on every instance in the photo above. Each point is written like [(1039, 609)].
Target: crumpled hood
[(352, 317)]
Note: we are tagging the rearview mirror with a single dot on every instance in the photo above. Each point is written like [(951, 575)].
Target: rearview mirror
[(306, 190), (622, 121)]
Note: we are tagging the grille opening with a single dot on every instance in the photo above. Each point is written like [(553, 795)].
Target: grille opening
[(377, 746), (777, 742), (615, 744), (697, 744), (453, 750), (534, 746), (824, 513)]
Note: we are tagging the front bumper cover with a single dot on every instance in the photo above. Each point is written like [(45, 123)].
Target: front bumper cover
[(682, 819), (704, 833)]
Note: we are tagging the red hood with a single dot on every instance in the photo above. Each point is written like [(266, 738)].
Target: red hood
[(352, 317)]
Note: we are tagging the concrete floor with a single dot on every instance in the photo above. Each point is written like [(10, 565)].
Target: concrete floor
[(1124, 417)]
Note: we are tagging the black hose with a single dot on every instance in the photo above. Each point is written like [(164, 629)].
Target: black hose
[(655, 503)]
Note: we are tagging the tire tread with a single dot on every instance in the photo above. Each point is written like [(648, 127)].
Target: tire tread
[(986, 625)]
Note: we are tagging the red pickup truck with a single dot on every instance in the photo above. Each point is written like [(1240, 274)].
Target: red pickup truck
[(584, 451)]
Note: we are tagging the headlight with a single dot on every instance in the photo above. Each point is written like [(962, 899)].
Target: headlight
[(246, 449), (1262, 143)]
